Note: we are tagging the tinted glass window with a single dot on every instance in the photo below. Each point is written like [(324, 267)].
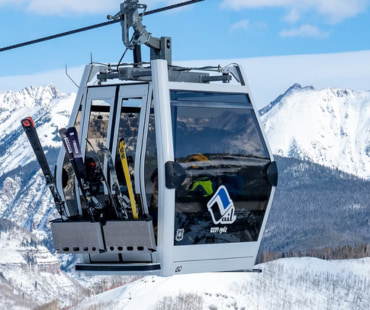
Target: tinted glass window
[(94, 157), (219, 144), (128, 130)]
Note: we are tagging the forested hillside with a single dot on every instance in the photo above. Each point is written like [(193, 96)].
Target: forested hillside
[(316, 207)]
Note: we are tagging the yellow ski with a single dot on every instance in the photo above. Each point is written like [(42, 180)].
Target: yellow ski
[(122, 155)]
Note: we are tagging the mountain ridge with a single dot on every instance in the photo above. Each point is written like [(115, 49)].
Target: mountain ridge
[(48, 107), (330, 127)]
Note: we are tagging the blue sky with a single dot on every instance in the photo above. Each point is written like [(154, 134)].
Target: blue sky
[(212, 29)]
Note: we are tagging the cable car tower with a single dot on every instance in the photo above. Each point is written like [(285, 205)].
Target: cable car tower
[(165, 169)]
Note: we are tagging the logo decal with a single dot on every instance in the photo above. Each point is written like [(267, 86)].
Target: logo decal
[(180, 234), (222, 207)]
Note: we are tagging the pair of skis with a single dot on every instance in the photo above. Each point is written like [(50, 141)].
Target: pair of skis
[(72, 146), (30, 130), (123, 202), (122, 199), (71, 143)]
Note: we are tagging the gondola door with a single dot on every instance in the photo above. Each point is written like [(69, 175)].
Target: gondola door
[(126, 143), (113, 244), (95, 134)]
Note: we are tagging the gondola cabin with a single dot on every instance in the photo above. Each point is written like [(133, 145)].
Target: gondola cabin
[(201, 173), (165, 169)]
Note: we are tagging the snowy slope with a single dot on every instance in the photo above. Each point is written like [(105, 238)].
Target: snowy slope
[(29, 274), (294, 283), (330, 127)]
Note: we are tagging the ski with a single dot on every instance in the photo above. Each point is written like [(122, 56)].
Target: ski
[(30, 130), (122, 154), (104, 180), (122, 199), (70, 141)]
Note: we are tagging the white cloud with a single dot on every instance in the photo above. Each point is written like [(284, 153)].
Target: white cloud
[(304, 31), (293, 16), (240, 4), (62, 7), (247, 25), (81, 7), (2, 2), (241, 25), (334, 10), (338, 10)]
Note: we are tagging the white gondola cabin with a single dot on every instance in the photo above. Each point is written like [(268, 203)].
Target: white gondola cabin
[(202, 174), (179, 175)]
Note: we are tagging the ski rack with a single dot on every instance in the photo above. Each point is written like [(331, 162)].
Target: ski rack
[(99, 240), (98, 244)]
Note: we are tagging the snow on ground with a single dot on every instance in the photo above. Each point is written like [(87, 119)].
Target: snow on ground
[(30, 275), (290, 283)]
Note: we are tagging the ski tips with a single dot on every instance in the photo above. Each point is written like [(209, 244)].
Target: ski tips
[(28, 122), (71, 131)]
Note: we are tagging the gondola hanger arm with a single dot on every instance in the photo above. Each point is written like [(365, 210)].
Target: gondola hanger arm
[(110, 22)]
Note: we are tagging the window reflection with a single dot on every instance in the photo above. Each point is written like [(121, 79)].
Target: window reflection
[(128, 130), (218, 142)]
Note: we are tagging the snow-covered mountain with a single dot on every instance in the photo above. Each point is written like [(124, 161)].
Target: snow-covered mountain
[(24, 199), (330, 127), (294, 283), (48, 107)]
